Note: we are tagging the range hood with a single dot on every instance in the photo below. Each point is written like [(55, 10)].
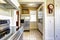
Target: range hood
[(9, 4)]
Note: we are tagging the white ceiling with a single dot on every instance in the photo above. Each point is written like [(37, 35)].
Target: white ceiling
[(31, 0), (25, 3), (30, 5)]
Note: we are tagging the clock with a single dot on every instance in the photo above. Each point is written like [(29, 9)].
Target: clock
[(50, 8)]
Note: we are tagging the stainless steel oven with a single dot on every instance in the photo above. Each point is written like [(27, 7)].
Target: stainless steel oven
[(4, 27)]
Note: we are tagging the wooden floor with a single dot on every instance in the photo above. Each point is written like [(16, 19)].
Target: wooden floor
[(32, 35)]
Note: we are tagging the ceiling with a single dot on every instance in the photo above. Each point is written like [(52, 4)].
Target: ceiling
[(31, 0), (30, 4), (23, 4)]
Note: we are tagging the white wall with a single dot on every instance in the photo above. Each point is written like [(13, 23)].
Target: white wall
[(5, 12), (52, 26), (49, 25), (14, 17), (49, 28)]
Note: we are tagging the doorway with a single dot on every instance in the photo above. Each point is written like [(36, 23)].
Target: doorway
[(34, 14)]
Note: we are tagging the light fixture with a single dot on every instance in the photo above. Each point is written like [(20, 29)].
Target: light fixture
[(2, 1), (31, 4)]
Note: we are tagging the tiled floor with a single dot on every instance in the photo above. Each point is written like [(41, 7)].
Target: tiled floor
[(32, 35)]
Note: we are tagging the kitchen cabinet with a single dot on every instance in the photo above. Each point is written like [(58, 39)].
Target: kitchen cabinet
[(10, 4), (25, 11)]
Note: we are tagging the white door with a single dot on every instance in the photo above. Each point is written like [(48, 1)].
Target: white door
[(57, 24), (57, 19)]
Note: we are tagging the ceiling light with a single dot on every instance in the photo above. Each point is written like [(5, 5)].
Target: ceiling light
[(2, 1), (31, 4)]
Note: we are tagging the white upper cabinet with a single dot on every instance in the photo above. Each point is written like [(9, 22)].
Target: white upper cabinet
[(9, 4), (14, 3)]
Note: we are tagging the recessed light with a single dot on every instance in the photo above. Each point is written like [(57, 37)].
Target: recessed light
[(31, 4)]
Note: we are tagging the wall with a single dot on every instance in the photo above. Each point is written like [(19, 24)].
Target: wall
[(49, 22), (52, 26), (14, 19)]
